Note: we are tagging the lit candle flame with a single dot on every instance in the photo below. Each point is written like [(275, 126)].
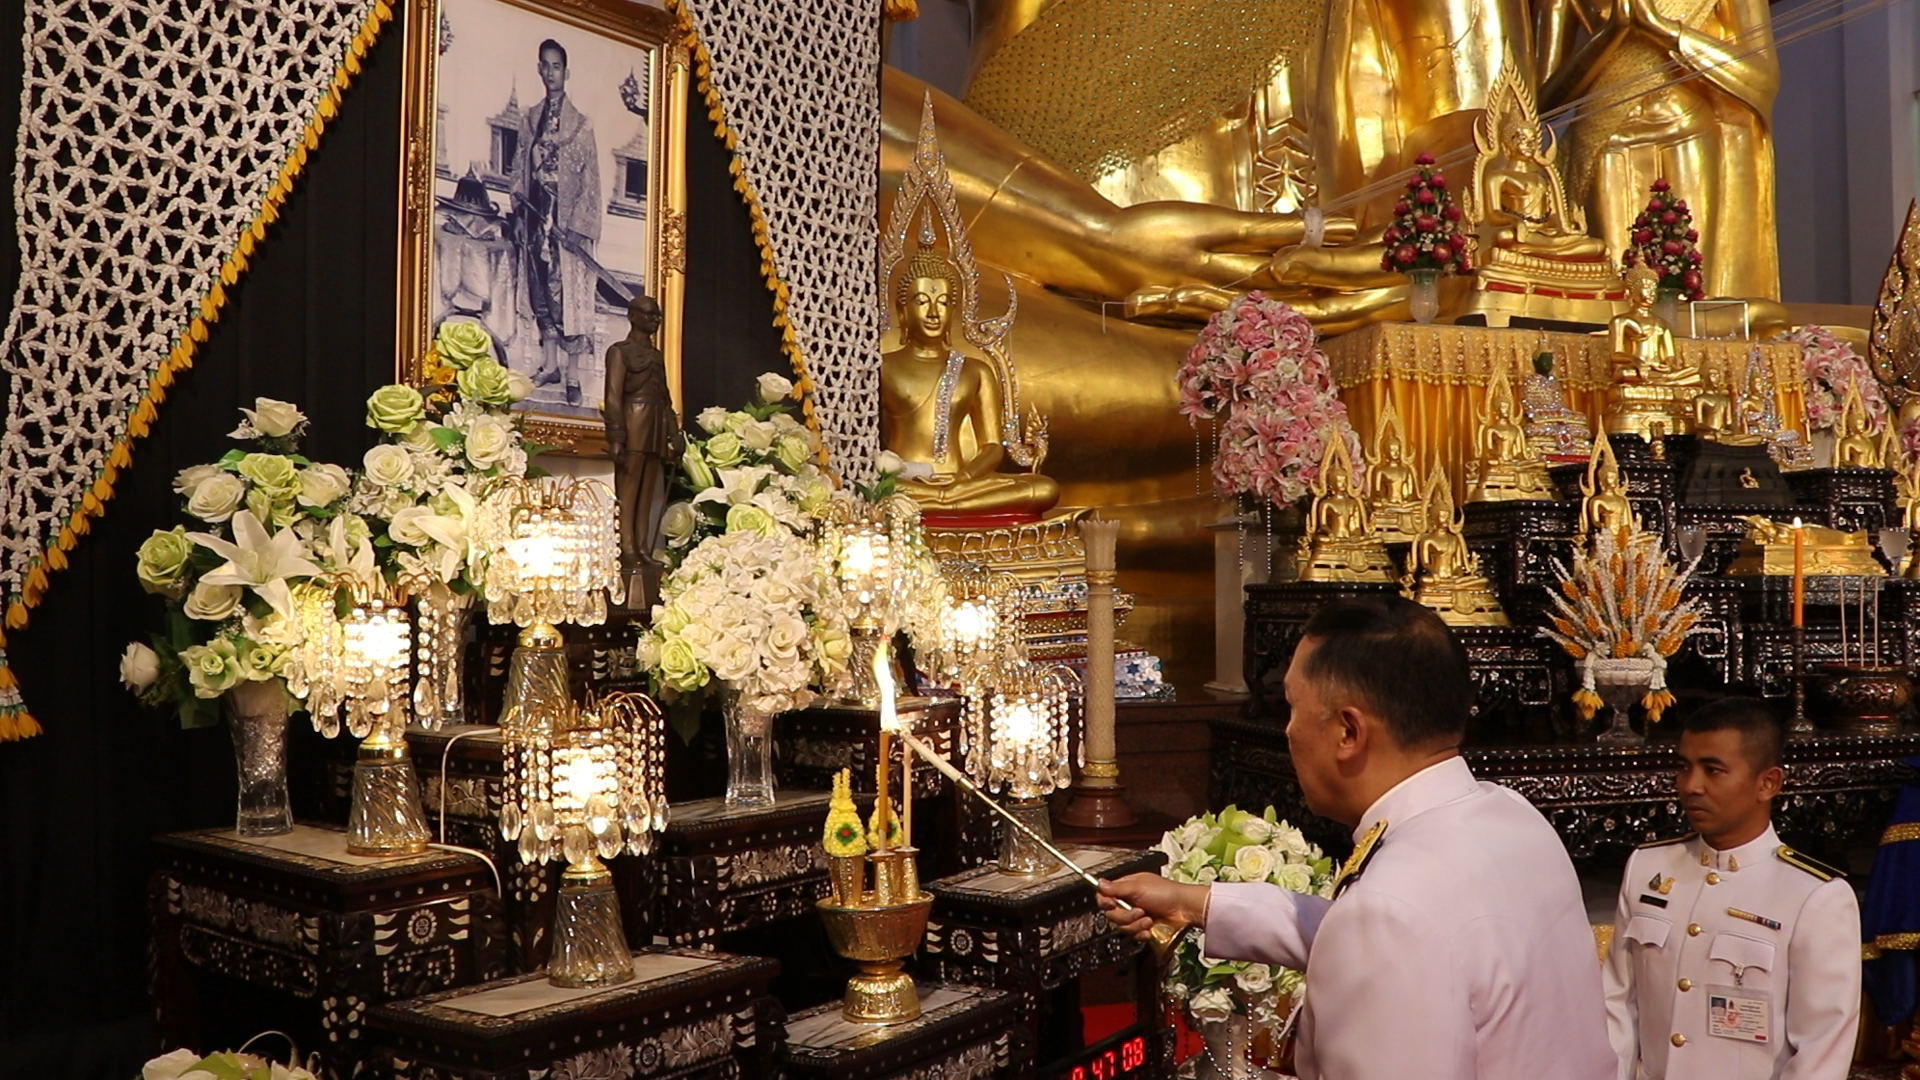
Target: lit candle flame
[(883, 678)]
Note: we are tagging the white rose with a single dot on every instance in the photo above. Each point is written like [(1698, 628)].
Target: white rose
[(1254, 862), (1213, 1005), (785, 636), (773, 387), (677, 523), (272, 419), (139, 667), (213, 602), (519, 387), (647, 653), (712, 419), (191, 477), (217, 497), (388, 466), (1255, 828), (759, 435), (1207, 875), (320, 485), (488, 440), (1294, 877), (274, 629), (1291, 841), (169, 1066), (888, 462), (733, 659), (405, 527), (1257, 979)]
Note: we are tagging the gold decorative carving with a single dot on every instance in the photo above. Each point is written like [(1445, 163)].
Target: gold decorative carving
[(1893, 342), (673, 241)]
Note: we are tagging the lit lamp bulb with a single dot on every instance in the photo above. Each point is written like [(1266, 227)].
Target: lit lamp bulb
[(385, 817), (1027, 756), (863, 563)]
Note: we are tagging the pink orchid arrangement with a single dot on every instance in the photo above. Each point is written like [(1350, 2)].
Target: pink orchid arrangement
[(1258, 369), (1829, 366)]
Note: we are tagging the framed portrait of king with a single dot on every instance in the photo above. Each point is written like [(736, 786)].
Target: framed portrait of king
[(543, 188)]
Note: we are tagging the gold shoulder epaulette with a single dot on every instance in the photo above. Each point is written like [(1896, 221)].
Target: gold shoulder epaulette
[(1811, 865), (1362, 854), (1681, 839)]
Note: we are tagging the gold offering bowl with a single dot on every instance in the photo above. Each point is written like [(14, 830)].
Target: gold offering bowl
[(1866, 698), (879, 939)]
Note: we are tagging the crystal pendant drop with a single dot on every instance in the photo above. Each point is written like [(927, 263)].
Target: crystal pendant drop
[(531, 849), (599, 816), (608, 844), (575, 845), (510, 821), (542, 821)]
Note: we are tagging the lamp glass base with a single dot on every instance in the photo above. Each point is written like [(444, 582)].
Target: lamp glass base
[(1019, 854), (386, 817), (589, 943)]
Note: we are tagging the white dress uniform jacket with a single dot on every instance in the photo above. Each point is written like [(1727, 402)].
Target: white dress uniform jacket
[(1462, 951), (1680, 961)]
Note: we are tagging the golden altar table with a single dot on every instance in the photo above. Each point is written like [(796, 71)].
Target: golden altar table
[(1436, 376)]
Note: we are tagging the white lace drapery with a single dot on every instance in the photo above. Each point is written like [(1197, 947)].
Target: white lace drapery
[(157, 140), (793, 87)]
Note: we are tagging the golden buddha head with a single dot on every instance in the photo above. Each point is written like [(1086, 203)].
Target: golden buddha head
[(1522, 138), (927, 290), (1643, 285)]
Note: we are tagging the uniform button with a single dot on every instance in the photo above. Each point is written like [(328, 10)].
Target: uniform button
[(1679, 1039), (1693, 929), (1713, 878), (1685, 985)]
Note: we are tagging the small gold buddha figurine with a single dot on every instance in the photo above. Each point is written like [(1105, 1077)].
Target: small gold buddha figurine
[(1768, 550), (1855, 447), (1505, 466), (1443, 574), (1393, 488), (947, 411), (1536, 258), (1720, 416), (1604, 506), (1340, 544), (1651, 386), (1554, 429)]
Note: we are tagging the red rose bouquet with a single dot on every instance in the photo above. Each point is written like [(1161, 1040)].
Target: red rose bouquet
[(1425, 234), (1664, 238)]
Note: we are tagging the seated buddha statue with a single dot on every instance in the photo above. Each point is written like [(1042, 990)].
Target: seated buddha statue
[(1340, 544), (1651, 384), (1523, 207), (1442, 573), (1554, 429), (1393, 488), (1504, 466), (1604, 506), (1854, 446), (942, 409)]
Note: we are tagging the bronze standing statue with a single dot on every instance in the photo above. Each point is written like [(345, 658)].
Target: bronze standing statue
[(644, 439)]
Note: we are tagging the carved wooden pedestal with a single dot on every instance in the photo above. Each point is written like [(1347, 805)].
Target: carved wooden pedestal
[(1850, 499), (318, 935), (686, 1014), (726, 870), (1037, 937), (964, 1033)]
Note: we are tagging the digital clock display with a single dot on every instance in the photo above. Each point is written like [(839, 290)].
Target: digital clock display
[(1106, 1061)]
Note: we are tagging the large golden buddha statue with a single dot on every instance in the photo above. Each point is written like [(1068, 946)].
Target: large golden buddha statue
[(1652, 386), (956, 417)]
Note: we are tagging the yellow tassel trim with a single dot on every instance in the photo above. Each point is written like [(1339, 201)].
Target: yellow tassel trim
[(1656, 703), (15, 721), (1587, 702), (762, 236)]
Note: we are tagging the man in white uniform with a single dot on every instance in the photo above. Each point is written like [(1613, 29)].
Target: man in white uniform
[(1733, 955), (1456, 945)]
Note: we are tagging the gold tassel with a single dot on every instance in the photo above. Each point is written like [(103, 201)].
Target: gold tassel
[(1587, 702)]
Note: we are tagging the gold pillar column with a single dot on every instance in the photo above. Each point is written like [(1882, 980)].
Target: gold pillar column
[(1097, 803)]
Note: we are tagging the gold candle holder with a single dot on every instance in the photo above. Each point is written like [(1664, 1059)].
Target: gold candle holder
[(879, 938)]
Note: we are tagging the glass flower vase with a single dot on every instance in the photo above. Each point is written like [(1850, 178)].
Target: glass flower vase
[(749, 753), (257, 715), (1423, 295), (1666, 306), (1229, 1051)]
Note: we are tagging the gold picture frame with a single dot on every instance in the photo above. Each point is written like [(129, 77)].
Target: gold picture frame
[(489, 237)]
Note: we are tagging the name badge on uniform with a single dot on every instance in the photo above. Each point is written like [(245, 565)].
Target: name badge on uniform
[(1741, 1014)]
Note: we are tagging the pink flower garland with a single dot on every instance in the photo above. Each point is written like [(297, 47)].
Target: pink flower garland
[(1258, 368), (1828, 366)]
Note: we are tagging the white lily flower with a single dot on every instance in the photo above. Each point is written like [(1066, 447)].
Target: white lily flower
[(258, 559), (357, 563), (735, 486)]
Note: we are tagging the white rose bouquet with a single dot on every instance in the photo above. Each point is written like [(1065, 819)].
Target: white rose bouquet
[(269, 520), (757, 465), (443, 448), (187, 1065), (1238, 846)]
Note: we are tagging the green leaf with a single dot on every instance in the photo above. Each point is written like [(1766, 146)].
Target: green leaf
[(683, 715), (231, 459), (299, 459), (199, 712), (535, 449), (447, 438)]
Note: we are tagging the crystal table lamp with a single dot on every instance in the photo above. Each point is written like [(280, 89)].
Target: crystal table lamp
[(1030, 725), (582, 789), (877, 553), (360, 663), (553, 547)]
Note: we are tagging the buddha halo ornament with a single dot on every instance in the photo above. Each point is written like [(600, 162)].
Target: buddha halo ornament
[(583, 784)]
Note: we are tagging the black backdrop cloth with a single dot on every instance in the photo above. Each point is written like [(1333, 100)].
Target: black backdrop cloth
[(312, 322)]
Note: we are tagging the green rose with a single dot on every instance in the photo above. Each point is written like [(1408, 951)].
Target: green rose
[(679, 667), (394, 409), (163, 559), (792, 451), (677, 523), (749, 518), (815, 495), (725, 450), (260, 505), (672, 619), (463, 344), (485, 381), (272, 473), (260, 661), (695, 466), (211, 669)]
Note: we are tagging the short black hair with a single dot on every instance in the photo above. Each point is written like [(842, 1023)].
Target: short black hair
[(556, 47), (1398, 660), (1762, 732)]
